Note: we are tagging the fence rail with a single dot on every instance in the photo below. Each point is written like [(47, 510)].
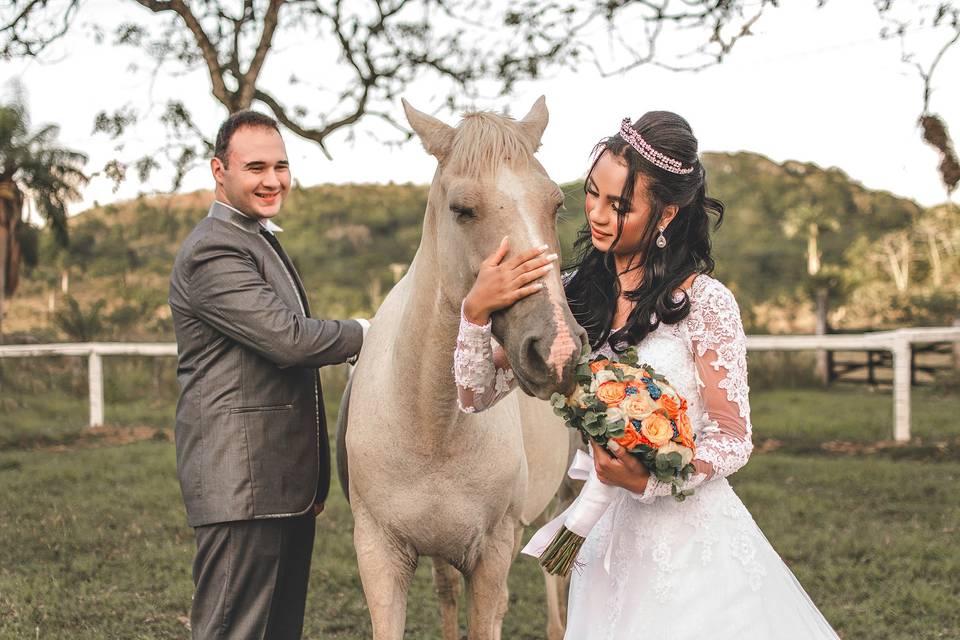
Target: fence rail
[(94, 351), (898, 342)]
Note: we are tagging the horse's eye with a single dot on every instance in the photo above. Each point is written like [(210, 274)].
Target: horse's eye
[(462, 212)]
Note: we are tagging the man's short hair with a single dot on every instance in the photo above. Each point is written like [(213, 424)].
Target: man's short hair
[(235, 122)]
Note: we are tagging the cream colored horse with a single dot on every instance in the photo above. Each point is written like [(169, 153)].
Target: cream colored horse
[(424, 478)]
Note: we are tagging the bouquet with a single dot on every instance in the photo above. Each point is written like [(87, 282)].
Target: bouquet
[(620, 399)]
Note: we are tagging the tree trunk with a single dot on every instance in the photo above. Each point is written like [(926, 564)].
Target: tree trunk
[(11, 208), (65, 282), (936, 267), (813, 250), (823, 358), (3, 277), (899, 258)]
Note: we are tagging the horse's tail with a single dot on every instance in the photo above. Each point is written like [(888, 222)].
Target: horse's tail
[(342, 419)]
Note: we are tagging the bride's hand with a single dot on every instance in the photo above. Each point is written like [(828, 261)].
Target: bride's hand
[(500, 283), (620, 469)]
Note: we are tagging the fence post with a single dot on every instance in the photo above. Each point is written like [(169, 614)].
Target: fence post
[(956, 348), (96, 388), (902, 356)]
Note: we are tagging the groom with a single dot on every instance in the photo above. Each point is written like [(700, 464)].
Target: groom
[(252, 450)]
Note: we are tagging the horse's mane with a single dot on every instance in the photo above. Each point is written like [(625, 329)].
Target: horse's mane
[(485, 141)]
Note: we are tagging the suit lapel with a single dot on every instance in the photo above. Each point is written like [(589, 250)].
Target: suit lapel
[(221, 212), (287, 264)]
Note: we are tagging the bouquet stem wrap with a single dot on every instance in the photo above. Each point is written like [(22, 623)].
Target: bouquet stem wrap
[(559, 541)]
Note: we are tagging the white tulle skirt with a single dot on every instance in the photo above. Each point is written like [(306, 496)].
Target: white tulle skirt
[(695, 570)]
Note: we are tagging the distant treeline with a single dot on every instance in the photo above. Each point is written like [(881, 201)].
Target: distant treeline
[(789, 231)]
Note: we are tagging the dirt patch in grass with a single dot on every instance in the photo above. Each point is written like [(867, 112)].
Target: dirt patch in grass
[(104, 436), (915, 449)]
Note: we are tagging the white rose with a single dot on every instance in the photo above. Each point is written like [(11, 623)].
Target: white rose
[(604, 376), (686, 455), (576, 398), (638, 406), (614, 414)]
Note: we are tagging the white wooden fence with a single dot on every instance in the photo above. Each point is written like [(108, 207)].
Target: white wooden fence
[(898, 342), (94, 351)]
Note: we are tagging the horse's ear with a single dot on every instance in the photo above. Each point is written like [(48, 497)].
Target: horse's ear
[(436, 136), (535, 122)]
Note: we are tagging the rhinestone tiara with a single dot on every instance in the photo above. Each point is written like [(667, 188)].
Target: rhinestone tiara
[(633, 137)]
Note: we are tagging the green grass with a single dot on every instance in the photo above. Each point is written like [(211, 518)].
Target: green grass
[(851, 413), (95, 544), (96, 547)]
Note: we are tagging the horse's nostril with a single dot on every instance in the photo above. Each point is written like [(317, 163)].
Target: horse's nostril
[(534, 360), (529, 350)]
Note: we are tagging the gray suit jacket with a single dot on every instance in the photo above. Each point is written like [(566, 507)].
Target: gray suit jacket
[(251, 434)]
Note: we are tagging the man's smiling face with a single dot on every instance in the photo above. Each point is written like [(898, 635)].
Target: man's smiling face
[(255, 178)]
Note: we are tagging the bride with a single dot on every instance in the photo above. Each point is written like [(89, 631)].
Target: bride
[(653, 566)]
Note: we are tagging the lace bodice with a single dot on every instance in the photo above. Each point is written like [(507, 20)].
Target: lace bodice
[(704, 357)]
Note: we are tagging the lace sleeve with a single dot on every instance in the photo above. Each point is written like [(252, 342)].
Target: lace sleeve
[(480, 368), (720, 353)]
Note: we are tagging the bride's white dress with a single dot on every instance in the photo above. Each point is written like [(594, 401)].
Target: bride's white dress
[(654, 567)]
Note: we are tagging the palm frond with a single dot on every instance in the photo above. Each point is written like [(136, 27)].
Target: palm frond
[(47, 173)]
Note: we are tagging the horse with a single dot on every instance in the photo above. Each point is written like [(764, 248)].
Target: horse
[(423, 478)]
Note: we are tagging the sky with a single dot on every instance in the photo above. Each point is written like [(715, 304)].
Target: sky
[(814, 85)]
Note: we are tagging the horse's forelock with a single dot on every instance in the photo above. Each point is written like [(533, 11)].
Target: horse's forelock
[(484, 142)]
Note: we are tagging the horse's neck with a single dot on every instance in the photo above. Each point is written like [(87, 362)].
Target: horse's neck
[(423, 347)]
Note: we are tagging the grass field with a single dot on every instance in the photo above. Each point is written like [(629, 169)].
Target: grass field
[(95, 545)]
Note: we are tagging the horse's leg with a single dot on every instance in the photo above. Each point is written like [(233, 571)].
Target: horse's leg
[(505, 596), (487, 582), (386, 570), (556, 588), (446, 579)]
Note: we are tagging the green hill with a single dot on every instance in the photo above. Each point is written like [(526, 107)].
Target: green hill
[(351, 242)]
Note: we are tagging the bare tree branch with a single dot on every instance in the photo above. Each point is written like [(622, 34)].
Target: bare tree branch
[(385, 46), (933, 128), (207, 47), (248, 86)]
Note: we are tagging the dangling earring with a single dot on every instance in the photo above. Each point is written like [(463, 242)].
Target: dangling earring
[(661, 239)]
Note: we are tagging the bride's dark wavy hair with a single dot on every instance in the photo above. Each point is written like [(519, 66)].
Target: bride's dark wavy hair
[(593, 289)]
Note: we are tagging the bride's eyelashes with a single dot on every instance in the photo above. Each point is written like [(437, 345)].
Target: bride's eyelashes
[(616, 204)]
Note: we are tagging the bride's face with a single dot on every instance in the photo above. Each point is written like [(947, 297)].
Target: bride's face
[(604, 205)]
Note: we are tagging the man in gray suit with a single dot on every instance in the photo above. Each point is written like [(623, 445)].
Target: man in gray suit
[(252, 450)]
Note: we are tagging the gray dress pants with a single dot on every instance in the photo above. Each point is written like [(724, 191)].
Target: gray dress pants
[(251, 579)]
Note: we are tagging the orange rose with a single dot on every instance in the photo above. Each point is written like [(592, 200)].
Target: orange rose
[(657, 429), (686, 432), (631, 438), (671, 406), (611, 393), (598, 365)]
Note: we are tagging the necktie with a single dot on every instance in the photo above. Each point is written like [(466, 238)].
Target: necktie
[(272, 239)]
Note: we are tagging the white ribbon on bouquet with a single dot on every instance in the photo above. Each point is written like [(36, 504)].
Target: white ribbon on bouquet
[(581, 516)]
